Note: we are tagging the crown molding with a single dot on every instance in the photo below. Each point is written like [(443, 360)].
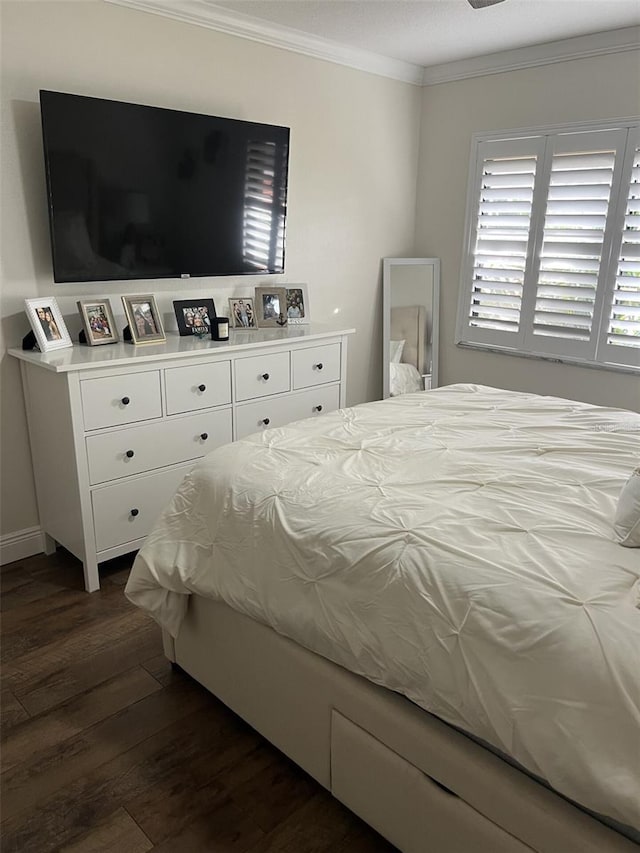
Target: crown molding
[(206, 14), (214, 17), (579, 47)]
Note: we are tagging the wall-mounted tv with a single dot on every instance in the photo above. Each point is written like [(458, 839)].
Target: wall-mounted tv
[(140, 192)]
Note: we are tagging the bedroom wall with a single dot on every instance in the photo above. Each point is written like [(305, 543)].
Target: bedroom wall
[(577, 90), (354, 154)]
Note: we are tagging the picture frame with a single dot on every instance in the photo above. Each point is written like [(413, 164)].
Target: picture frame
[(242, 313), (195, 316), (270, 304), (47, 323), (298, 313), (143, 317), (97, 322)]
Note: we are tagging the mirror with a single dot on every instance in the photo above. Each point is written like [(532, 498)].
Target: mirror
[(410, 288)]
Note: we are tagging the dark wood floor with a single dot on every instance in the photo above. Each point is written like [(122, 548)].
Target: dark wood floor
[(105, 747)]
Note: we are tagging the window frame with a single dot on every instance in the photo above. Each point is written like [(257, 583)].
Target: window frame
[(596, 352)]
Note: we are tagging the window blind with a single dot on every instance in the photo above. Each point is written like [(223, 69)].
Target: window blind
[(546, 216), (572, 243), (624, 316), (502, 240)]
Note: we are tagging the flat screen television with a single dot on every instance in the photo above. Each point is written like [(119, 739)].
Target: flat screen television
[(140, 192)]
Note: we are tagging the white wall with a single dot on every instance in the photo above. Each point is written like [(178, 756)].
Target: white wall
[(579, 90), (353, 166), (355, 143)]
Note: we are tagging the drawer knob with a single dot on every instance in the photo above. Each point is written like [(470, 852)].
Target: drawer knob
[(265, 376), (129, 454), (318, 408), (319, 365), (134, 512), (125, 401), (202, 387), (266, 421), (204, 436)]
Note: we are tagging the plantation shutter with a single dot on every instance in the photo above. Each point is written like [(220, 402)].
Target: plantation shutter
[(263, 217), (622, 328), (552, 246), (575, 219), (500, 239), (576, 235)]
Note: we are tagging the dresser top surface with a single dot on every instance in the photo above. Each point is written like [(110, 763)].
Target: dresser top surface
[(80, 357)]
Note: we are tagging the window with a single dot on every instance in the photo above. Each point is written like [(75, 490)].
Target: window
[(552, 259)]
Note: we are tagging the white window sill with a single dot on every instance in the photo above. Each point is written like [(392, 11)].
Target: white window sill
[(615, 368)]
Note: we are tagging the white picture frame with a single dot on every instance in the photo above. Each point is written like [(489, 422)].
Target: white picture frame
[(242, 313), (298, 312), (47, 323)]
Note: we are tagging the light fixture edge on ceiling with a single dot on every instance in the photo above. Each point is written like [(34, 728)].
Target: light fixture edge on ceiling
[(482, 4)]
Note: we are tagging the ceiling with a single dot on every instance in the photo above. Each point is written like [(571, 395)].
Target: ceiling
[(432, 32)]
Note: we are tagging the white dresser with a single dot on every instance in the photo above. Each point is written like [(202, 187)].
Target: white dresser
[(114, 429)]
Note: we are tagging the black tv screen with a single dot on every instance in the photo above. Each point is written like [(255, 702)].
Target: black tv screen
[(142, 192)]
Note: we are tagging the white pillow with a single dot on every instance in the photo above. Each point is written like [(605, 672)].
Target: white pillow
[(627, 520), (395, 351), (404, 379)]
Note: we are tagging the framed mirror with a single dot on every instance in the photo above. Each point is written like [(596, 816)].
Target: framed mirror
[(411, 296)]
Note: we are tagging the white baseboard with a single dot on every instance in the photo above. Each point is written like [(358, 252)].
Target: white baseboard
[(21, 544)]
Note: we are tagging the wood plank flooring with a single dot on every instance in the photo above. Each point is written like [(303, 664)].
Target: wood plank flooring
[(105, 747)]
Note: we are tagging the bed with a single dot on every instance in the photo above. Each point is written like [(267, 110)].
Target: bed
[(407, 349), (423, 603)]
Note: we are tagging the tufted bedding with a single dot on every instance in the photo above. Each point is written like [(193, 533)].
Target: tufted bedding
[(455, 546)]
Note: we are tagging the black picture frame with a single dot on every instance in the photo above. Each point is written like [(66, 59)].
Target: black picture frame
[(203, 310)]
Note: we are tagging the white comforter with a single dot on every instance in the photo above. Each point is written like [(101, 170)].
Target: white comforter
[(455, 546)]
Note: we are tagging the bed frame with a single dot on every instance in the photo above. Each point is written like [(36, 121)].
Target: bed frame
[(422, 784)]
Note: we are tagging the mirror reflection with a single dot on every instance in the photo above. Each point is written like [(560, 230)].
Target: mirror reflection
[(410, 325)]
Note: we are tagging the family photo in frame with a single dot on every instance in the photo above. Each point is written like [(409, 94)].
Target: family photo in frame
[(194, 316), (242, 313), (97, 322), (297, 304), (271, 306), (143, 317), (47, 324)]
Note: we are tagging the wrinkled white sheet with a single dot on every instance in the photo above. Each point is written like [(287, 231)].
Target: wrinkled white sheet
[(455, 546)]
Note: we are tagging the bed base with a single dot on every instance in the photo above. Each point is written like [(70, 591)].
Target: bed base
[(421, 784)]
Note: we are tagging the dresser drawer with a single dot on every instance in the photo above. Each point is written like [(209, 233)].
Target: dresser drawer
[(122, 399), (274, 413), (316, 365), (124, 512), (197, 387), (144, 448), (262, 375)]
